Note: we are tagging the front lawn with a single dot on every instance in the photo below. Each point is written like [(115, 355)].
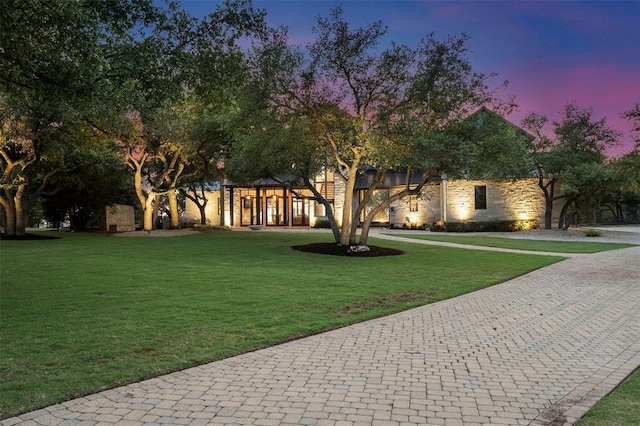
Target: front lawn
[(89, 312), (522, 243)]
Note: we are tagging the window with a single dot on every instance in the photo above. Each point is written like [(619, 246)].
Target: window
[(481, 197), (413, 203)]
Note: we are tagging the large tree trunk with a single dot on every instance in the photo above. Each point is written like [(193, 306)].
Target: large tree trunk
[(174, 214), (548, 190), (203, 213), (146, 199), (548, 213), (345, 226), (327, 208), (14, 211), (362, 206), (563, 222), (20, 225), (9, 210), (147, 208)]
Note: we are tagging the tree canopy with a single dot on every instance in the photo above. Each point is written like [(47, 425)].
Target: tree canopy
[(344, 103), (180, 101), (573, 156), (99, 67)]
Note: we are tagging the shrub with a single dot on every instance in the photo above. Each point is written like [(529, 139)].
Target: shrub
[(437, 226), (491, 226), (322, 222), (592, 233)]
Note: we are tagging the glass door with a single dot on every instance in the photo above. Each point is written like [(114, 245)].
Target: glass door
[(301, 212), (275, 210)]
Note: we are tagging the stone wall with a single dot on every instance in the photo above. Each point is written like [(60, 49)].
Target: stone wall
[(519, 199), (428, 208), (338, 203), (120, 218), (191, 214)]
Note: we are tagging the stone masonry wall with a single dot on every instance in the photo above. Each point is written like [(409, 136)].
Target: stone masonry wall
[(120, 218), (506, 200), (191, 214), (428, 208)]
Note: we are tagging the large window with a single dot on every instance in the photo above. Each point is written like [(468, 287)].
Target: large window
[(480, 197)]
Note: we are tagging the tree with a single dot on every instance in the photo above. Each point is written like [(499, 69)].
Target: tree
[(207, 66), (96, 178), (579, 143), (633, 115), (32, 150), (210, 139), (547, 166), (350, 104), (620, 193), (64, 65)]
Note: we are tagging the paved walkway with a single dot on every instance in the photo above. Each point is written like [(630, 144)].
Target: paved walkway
[(538, 350)]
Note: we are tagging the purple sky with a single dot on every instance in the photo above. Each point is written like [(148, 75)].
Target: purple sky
[(551, 52)]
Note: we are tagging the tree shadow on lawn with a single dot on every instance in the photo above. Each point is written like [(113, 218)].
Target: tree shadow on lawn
[(28, 237)]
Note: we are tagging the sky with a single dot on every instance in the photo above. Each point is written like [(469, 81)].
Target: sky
[(551, 52)]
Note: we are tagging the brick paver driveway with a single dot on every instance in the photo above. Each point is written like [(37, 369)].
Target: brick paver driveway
[(537, 350)]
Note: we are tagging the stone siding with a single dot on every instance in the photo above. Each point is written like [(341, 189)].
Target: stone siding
[(120, 218), (428, 208), (339, 188), (519, 199), (191, 214)]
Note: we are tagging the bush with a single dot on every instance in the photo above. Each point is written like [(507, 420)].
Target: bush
[(322, 222), (592, 233), (491, 226), (437, 226), (415, 226)]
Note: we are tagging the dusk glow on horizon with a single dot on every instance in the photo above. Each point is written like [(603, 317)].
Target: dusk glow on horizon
[(551, 52)]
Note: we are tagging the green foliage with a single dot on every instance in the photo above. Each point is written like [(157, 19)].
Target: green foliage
[(575, 156), (97, 179), (633, 115), (344, 103), (321, 222), (90, 69), (87, 315), (592, 233), (491, 226)]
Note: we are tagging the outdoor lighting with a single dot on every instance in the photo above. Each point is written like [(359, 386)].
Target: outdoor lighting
[(462, 211), (413, 218)]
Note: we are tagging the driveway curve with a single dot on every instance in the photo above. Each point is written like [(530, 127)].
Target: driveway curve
[(540, 349)]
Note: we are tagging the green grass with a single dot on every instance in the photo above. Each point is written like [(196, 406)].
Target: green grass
[(89, 312), (523, 244), (619, 408)]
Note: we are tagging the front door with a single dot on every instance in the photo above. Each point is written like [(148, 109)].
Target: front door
[(275, 210), (301, 208)]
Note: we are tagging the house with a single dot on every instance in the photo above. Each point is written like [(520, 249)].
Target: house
[(278, 203), (270, 203)]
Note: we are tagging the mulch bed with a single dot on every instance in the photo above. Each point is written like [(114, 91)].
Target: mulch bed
[(334, 249)]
